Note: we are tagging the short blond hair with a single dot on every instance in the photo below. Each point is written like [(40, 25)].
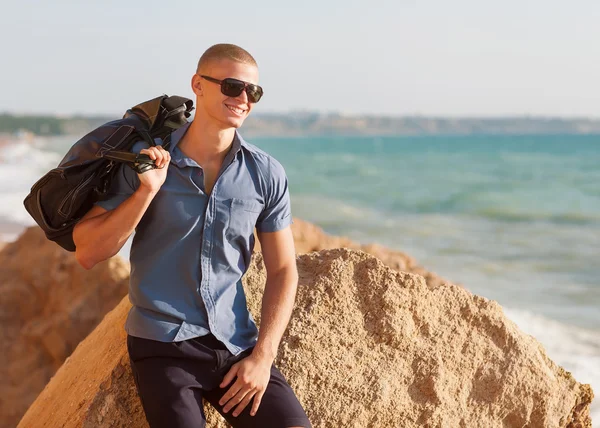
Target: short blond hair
[(225, 51)]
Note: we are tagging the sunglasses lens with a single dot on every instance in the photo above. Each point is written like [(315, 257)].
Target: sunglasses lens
[(254, 93), (232, 87)]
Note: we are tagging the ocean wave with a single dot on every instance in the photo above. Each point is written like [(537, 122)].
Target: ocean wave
[(499, 208), (514, 216), (575, 349), (21, 165), (28, 155)]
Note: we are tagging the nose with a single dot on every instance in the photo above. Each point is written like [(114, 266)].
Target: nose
[(243, 97)]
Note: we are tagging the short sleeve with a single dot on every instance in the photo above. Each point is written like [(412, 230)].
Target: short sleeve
[(124, 183), (277, 214)]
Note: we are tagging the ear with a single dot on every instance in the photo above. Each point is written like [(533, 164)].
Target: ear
[(197, 85)]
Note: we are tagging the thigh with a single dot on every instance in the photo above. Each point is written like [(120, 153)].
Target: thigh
[(279, 407), (168, 383)]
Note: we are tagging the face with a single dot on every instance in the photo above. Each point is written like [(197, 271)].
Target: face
[(228, 112)]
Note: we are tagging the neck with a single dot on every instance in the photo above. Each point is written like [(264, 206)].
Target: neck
[(205, 141)]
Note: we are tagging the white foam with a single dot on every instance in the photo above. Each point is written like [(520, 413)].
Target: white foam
[(21, 165), (576, 349)]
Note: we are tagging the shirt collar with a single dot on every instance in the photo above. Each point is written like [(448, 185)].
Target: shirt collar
[(179, 159)]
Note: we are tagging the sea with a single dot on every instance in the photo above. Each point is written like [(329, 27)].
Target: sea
[(515, 219)]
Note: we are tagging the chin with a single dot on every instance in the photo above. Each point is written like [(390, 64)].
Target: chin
[(234, 122)]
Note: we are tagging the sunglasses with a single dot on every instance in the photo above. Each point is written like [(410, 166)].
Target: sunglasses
[(234, 87)]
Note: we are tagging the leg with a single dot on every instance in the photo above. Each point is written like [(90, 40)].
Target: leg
[(279, 407), (167, 380)]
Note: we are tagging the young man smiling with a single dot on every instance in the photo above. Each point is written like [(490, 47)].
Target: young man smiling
[(190, 335)]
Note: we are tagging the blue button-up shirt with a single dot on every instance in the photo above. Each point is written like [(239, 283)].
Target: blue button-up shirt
[(190, 250)]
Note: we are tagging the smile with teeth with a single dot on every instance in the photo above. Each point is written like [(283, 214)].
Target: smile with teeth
[(235, 109)]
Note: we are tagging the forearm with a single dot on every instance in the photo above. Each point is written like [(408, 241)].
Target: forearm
[(277, 305), (101, 237)]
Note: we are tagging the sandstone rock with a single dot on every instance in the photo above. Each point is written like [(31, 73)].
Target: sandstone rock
[(367, 346), (48, 304)]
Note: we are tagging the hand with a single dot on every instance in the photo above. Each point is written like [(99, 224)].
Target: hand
[(253, 375), (153, 179)]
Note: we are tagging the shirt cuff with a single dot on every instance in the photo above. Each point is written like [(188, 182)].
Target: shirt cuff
[(275, 225), (113, 202)]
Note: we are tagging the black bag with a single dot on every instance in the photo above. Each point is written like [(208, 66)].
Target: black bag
[(60, 198)]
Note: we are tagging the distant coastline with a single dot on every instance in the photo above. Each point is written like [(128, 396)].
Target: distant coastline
[(312, 123)]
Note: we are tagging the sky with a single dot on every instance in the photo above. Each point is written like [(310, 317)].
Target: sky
[(399, 57)]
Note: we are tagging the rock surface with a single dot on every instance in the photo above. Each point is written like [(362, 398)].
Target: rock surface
[(367, 346), (48, 304)]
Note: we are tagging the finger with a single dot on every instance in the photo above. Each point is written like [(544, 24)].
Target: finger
[(229, 376), (149, 153), (240, 408), (239, 397), (233, 389), (166, 158), (162, 158), (159, 156), (257, 399), (232, 392), (158, 159)]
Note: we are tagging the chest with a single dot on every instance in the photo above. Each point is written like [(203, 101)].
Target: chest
[(193, 201), (210, 174)]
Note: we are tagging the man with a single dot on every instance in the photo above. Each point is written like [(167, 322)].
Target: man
[(190, 335)]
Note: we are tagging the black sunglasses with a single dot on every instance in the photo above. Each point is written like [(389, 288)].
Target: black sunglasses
[(234, 87)]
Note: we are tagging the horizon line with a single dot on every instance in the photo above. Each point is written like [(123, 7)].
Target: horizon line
[(305, 112)]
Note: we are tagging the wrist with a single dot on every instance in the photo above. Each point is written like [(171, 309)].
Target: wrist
[(146, 191), (264, 354)]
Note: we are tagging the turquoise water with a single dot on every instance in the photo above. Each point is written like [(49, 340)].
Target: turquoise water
[(515, 219)]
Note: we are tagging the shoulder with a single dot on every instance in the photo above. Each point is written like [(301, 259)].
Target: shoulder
[(266, 163)]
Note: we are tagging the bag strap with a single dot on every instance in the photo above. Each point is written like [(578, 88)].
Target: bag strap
[(167, 142), (148, 138), (140, 163)]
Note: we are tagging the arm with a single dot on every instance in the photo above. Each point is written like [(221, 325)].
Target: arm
[(279, 256), (100, 234), (253, 372), (103, 231)]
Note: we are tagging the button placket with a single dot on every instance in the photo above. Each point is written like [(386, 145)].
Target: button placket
[(205, 259)]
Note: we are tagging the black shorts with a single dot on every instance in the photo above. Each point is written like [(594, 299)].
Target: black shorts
[(172, 378)]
